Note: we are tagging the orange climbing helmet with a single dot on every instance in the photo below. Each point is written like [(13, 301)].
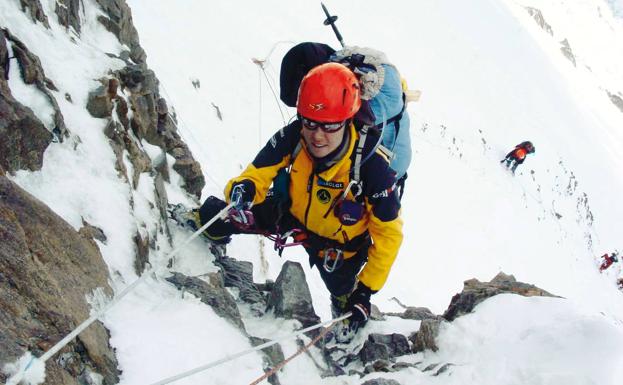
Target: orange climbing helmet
[(329, 92)]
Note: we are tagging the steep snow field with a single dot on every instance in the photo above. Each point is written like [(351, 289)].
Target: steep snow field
[(490, 77)]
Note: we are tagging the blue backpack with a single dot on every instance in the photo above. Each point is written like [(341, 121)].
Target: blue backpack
[(383, 98)]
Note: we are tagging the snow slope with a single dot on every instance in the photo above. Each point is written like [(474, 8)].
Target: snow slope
[(491, 78)]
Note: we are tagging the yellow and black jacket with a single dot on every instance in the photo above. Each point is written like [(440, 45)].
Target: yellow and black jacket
[(313, 192)]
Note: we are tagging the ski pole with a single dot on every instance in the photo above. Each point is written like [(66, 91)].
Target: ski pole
[(331, 21)]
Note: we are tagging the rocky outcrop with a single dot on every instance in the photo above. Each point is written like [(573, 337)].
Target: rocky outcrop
[(290, 297), (617, 100), (383, 347), (540, 20), (565, 48), (212, 293), (424, 339), (46, 270), (381, 381), (474, 292), (33, 8), (118, 20), (23, 138), (32, 73), (239, 274), (68, 13), (149, 120), (415, 313)]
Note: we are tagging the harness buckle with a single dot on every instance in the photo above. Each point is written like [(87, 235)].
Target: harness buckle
[(332, 259)]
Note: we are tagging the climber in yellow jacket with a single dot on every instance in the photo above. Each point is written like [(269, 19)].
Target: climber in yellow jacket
[(332, 191)]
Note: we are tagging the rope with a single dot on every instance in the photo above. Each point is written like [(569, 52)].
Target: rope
[(61, 344), (251, 350), (298, 352)]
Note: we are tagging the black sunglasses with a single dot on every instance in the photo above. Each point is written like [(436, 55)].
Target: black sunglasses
[(312, 125)]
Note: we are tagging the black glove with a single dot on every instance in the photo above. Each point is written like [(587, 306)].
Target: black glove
[(359, 304), (242, 194)]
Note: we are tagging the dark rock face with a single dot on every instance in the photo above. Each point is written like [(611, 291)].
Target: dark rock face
[(474, 292), (212, 293), (425, 337), (239, 274), (273, 355), (119, 22), (23, 138), (68, 13), (290, 297), (373, 351), (46, 269), (149, 121), (33, 8), (383, 347), (32, 73)]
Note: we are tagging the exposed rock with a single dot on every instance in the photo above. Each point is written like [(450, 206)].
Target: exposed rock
[(119, 22), (379, 366), (538, 17), (161, 166), (415, 313), (425, 337), (273, 355), (381, 381), (23, 138), (151, 122), (290, 297), (46, 269), (566, 50), (617, 100), (474, 292), (33, 8), (188, 168), (99, 103), (372, 351), (212, 293), (92, 232), (142, 252), (444, 368), (397, 344), (239, 274), (68, 13), (32, 73)]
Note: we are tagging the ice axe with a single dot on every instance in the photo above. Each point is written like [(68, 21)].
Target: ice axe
[(331, 21)]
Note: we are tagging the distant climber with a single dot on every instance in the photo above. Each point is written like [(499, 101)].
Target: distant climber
[(518, 155), (609, 260)]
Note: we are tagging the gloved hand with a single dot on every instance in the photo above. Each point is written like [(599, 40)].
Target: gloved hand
[(359, 304), (242, 194)]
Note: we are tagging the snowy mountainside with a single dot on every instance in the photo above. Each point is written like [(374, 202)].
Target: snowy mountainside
[(491, 77)]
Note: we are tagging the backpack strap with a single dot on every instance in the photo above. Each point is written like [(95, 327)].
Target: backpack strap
[(396, 118)]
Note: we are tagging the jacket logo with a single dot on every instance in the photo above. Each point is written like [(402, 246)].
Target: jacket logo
[(330, 184), (316, 106), (323, 196), (385, 193)]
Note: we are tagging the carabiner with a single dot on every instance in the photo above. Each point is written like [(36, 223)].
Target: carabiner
[(329, 266)]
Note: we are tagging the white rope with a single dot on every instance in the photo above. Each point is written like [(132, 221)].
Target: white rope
[(251, 350), (19, 376)]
